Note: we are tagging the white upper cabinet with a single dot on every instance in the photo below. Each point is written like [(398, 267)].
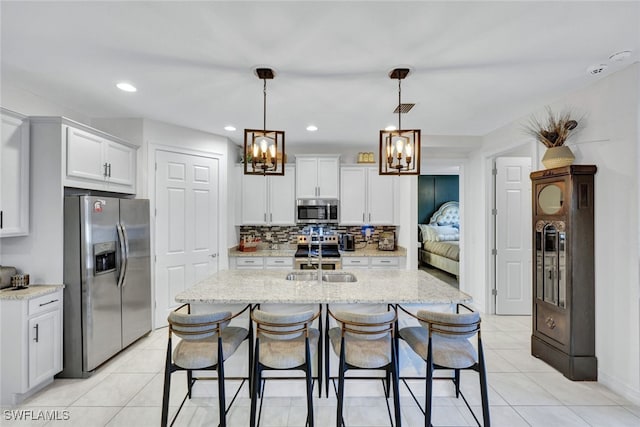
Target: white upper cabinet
[(317, 177), (366, 197), (14, 175), (96, 162), (353, 195), (380, 198), (269, 200)]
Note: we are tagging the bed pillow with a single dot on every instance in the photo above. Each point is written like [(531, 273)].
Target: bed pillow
[(444, 233), (437, 233), (425, 232)]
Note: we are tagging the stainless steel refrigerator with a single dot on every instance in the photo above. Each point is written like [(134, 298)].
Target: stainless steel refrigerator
[(107, 295)]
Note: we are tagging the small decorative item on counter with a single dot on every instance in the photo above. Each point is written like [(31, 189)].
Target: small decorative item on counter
[(387, 241), (248, 244), (20, 281), (6, 273)]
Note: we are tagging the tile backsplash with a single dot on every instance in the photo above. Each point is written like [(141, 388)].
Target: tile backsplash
[(288, 234)]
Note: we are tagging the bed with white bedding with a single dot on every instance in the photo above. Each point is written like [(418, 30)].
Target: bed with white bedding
[(440, 239)]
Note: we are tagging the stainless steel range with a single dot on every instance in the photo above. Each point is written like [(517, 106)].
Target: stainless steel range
[(317, 251)]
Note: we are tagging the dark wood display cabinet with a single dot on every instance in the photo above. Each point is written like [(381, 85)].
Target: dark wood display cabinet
[(563, 270)]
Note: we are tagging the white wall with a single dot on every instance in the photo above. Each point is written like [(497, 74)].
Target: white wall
[(609, 140)]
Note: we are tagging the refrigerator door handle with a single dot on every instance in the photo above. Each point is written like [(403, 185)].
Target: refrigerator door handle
[(123, 256), (126, 255)]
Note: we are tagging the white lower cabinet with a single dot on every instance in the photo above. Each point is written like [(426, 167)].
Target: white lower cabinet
[(350, 263), (261, 263), (278, 262), (249, 263), (31, 338), (355, 263)]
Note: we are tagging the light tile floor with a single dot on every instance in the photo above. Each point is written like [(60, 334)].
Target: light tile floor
[(523, 391)]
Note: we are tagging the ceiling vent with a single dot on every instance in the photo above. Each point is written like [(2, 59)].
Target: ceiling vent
[(597, 69), (403, 108)]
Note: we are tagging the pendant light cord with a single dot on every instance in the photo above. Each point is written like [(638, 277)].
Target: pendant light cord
[(399, 104), (264, 107)]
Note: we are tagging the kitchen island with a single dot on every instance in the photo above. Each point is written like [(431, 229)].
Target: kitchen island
[(371, 287)]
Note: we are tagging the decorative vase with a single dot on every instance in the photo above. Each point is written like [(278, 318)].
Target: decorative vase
[(556, 157)]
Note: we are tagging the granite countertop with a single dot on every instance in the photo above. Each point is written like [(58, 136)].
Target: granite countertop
[(372, 286), (284, 250), (288, 250), (32, 291), (372, 251)]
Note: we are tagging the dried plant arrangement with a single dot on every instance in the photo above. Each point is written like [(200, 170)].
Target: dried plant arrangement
[(553, 132)]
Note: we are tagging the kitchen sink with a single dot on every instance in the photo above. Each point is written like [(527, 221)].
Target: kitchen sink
[(339, 277), (301, 276)]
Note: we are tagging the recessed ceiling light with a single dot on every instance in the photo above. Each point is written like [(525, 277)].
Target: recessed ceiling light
[(312, 128), (229, 128), (390, 128), (620, 56), (597, 69), (127, 87)]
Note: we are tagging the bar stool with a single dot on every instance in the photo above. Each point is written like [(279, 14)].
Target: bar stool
[(206, 342), (364, 341), (284, 341), (443, 341)]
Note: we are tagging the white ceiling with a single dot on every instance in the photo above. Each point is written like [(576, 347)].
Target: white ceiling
[(475, 65)]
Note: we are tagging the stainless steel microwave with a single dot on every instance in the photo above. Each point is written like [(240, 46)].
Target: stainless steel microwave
[(317, 211)]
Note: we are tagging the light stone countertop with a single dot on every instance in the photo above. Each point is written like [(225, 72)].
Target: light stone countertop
[(287, 250), (372, 251), (372, 286), (33, 291)]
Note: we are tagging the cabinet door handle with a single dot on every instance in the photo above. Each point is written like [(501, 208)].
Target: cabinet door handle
[(1, 215), (36, 328), (109, 170), (50, 302), (270, 217), (105, 169), (384, 261), (369, 217), (264, 215)]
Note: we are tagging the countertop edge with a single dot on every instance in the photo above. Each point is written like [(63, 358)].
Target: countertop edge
[(33, 291), (371, 251)]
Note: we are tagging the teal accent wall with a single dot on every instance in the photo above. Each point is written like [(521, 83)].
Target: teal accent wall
[(433, 191)]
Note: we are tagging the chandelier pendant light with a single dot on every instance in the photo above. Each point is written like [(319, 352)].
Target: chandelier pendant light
[(264, 149), (399, 149)]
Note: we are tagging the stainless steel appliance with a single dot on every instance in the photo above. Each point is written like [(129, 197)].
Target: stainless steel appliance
[(310, 247), (347, 242), (107, 294), (317, 211)]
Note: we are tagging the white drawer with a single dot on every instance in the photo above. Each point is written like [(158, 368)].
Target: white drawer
[(384, 262), (279, 262), (355, 261), (249, 261), (45, 303)]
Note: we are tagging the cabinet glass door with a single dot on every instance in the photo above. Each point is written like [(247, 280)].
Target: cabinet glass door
[(551, 284)]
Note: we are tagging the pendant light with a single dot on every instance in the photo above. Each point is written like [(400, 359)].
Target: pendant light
[(264, 149), (399, 149)]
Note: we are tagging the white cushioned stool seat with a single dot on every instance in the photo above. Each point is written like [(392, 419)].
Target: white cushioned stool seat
[(198, 354)]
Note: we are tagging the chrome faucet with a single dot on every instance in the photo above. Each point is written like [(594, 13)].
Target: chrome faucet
[(319, 257)]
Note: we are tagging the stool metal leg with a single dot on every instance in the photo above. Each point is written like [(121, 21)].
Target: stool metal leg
[(167, 386), (342, 369)]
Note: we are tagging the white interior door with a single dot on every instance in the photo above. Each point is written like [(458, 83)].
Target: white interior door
[(186, 225), (513, 235)]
